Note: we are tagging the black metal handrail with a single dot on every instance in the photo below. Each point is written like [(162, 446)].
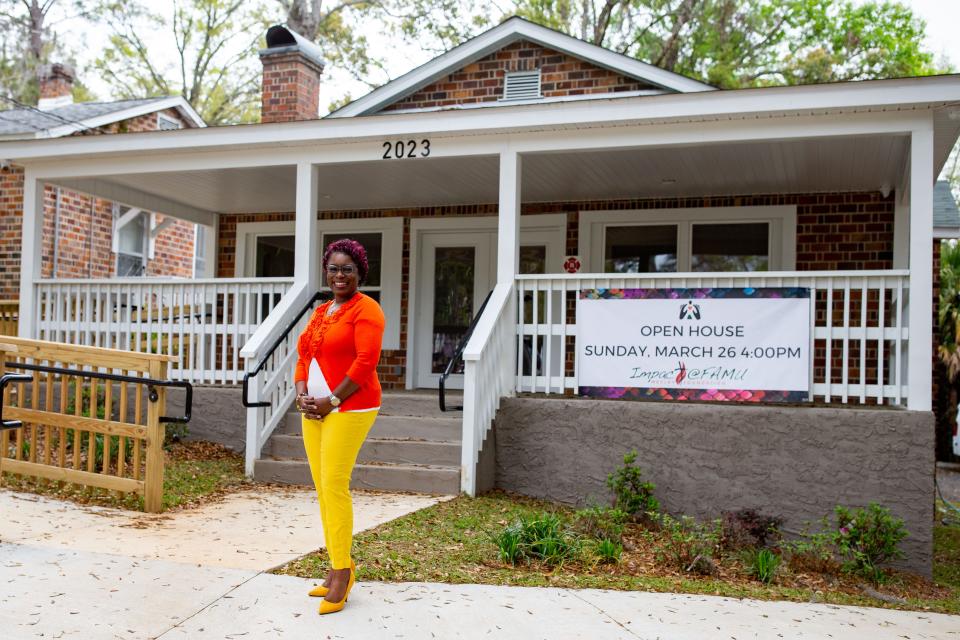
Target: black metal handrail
[(6, 379), (151, 383), (276, 343), (457, 355)]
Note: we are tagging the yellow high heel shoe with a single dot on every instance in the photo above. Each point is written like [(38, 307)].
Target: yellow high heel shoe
[(321, 591), (332, 607)]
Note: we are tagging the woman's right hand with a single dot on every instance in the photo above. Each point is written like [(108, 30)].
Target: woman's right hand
[(310, 407)]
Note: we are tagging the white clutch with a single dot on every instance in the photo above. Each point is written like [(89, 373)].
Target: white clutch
[(317, 386)]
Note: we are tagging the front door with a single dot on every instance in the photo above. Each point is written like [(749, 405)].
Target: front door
[(457, 272)]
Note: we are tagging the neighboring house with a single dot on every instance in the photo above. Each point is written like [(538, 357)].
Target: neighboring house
[(85, 236), (498, 166), (946, 213), (946, 226)]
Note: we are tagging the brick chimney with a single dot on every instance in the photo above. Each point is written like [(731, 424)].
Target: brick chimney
[(56, 86), (292, 66)]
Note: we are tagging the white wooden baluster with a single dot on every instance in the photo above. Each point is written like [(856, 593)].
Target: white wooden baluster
[(864, 296)]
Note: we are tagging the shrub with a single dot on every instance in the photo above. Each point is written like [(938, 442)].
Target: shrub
[(601, 523), (749, 528), (632, 495), (866, 538), (538, 537), (762, 564), (689, 545), (508, 543), (812, 552), (607, 551)]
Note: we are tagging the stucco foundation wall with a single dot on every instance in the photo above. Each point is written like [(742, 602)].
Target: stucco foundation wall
[(218, 415), (797, 462)]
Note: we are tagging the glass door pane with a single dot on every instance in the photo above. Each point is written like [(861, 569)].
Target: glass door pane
[(533, 260), (454, 287)]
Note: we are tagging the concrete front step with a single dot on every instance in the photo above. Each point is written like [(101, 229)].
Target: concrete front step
[(448, 429), (419, 403), (383, 477), (376, 450)]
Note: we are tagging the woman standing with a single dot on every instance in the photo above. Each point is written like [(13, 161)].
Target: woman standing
[(338, 393)]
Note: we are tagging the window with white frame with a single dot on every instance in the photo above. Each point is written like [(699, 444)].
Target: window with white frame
[(689, 240), (263, 248), (199, 251), (131, 238)]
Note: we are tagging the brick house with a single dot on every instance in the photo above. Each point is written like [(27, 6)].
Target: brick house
[(86, 236), (530, 166)]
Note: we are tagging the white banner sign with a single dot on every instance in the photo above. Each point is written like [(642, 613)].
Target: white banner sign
[(728, 344)]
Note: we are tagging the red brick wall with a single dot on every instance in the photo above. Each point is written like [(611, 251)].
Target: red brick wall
[(173, 250), (482, 81), (84, 243), (83, 239), (11, 216), (291, 88), (820, 218)]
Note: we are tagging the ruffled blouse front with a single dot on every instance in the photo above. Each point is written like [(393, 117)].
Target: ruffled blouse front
[(345, 343)]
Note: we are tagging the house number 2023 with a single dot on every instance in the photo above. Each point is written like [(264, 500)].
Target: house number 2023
[(409, 149)]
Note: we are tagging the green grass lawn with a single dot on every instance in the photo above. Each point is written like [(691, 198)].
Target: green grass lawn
[(452, 542), (946, 555), (194, 473)]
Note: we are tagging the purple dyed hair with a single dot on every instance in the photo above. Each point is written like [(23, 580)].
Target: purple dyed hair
[(354, 250)]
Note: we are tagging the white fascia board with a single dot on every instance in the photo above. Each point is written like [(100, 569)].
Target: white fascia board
[(28, 135), (550, 100), (174, 102), (506, 33), (902, 96), (189, 112), (946, 233)]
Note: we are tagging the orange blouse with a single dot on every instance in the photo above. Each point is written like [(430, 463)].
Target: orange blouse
[(346, 344)]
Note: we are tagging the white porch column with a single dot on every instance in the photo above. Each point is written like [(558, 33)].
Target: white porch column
[(306, 261), (508, 218), (919, 360), (31, 252)]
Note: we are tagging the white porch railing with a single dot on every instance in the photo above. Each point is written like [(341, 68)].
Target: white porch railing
[(270, 390), (858, 320), (203, 323), (487, 377)]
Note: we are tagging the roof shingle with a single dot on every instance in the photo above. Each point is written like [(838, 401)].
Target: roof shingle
[(14, 121)]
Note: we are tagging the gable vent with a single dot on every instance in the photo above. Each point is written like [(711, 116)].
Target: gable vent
[(522, 85)]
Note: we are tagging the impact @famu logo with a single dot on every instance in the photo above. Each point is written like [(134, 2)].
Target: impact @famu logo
[(690, 311)]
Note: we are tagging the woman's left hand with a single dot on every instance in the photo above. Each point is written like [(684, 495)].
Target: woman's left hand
[(315, 408)]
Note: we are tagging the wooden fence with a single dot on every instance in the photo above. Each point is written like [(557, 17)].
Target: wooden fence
[(83, 430), (9, 312)]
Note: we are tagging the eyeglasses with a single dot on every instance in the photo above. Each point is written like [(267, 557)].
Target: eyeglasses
[(347, 269)]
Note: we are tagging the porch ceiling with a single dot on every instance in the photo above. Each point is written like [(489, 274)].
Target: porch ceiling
[(834, 164), (796, 166)]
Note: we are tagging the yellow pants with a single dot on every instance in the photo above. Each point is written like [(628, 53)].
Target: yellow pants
[(332, 446)]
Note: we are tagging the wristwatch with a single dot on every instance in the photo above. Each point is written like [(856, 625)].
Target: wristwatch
[(334, 401)]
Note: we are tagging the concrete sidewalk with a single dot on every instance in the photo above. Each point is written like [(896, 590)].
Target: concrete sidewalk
[(85, 573), (52, 593)]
